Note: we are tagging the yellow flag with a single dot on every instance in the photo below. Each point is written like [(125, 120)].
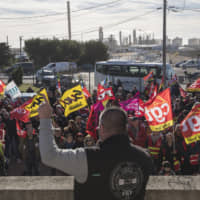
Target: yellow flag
[(73, 100), (34, 105)]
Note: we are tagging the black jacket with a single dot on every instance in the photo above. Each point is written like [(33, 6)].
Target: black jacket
[(117, 170)]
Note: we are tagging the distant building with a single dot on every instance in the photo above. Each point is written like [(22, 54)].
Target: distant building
[(134, 37), (120, 38), (111, 42), (194, 42), (100, 34), (177, 42)]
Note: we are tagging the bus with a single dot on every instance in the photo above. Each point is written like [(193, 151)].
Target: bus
[(129, 73)]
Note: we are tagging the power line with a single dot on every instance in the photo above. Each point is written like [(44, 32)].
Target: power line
[(108, 25), (58, 13)]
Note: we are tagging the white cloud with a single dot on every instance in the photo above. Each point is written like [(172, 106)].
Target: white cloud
[(179, 24)]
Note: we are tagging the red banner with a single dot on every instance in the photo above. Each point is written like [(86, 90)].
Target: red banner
[(195, 87), (86, 92), (104, 94), (183, 93), (20, 113), (2, 87), (190, 126), (149, 76), (159, 112)]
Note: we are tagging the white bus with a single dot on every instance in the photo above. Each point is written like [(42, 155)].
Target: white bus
[(129, 73)]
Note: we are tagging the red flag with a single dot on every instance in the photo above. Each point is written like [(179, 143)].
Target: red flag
[(21, 113), (182, 92), (190, 126), (93, 119), (2, 87), (195, 87), (149, 77), (140, 113), (86, 92), (20, 131), (104, 94), (159, 112), (161, 86)]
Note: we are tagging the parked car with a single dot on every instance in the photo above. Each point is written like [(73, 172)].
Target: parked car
[(191, 63), (27, 67), (44, 76), (61, 67), (180, 63)]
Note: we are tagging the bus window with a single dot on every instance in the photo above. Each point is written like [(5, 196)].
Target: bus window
[(113, 69), (101, 69), (125, 71), (134, 71), (143, 71)]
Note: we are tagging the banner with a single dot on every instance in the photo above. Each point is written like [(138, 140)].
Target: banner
[(183, 93), (173, 80), (73, 100), (2, 87), (195, 87), (159, 112), (12, 90), (104, 94), (21, 113), (190, 126), (130, 104), (161, 86), (93, 119), (140, 112), (20, 132), (37, 100), (86, 92), (149, 77)]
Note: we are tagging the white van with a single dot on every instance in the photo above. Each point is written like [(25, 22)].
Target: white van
[(61, 67)]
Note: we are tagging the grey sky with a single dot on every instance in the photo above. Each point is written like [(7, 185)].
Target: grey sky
[(18, 18)]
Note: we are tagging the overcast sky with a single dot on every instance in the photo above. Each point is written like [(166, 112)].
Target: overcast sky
[(48, 18)]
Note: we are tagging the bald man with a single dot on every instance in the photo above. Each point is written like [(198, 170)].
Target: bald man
[(115, 170)]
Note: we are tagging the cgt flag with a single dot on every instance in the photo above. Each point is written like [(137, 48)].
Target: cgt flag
[(190, 126), (159, 112), (2, 87), (73, 100), (37, 100)]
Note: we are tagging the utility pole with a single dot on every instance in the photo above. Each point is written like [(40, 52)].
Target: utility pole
[(164, 40), (69, 19), (7, 40), (20, 44)]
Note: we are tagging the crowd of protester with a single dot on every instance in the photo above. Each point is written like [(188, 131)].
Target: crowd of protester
[(170, 154)]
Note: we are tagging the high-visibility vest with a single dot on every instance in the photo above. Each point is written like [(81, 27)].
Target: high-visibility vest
[(194, 159), (154, 149), (176, 164), (2, 136)]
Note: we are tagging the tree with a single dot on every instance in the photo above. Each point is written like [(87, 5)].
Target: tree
[(94, 51), (5, 55), (17, 75)]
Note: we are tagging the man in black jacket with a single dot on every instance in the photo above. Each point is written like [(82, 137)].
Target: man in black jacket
[(115, 170)]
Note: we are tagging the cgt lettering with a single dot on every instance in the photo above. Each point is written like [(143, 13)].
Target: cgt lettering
[(192, 123), (158, 113)]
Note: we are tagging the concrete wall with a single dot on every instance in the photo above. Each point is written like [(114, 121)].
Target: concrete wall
[(173, 188), (61, 188), (36, 188)]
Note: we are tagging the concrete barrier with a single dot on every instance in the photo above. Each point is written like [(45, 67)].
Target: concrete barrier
[(173, 188), (62, 187), (36, 188)]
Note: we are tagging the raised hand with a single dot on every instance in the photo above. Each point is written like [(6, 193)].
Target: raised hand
[(45, 109)]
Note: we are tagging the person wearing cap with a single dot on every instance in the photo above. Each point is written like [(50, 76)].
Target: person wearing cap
[(114, 170), (136, 131)]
